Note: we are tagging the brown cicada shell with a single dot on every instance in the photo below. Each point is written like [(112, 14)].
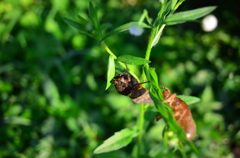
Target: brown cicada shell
[(182, 113)]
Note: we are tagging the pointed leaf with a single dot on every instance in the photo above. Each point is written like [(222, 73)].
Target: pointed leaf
[(174, 2), (93, 16), (111, 71), (132, 60), (154, 78), (167, 8), (104, 26), (117, 141), (189, 99), (82, 20), (124, 27), (78, 26), (188, 15)]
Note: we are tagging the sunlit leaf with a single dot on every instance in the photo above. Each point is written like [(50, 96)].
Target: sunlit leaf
[(117, 141), (132, 60), (111, 70), (188, 15), (174, 2)]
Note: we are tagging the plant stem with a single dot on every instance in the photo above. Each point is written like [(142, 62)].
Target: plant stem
[(155, 34), (108, 50), (140, 128), (149, 47), (142, 106)]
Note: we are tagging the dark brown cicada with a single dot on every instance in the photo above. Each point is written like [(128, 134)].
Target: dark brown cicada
[(127, 85)]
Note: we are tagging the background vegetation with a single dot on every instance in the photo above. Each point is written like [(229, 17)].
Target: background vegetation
[(53, 79)]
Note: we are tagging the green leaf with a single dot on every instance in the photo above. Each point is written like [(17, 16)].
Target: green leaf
[(182, 17), (78, 26), (132, 60), (123, 28), (117, 141), (174, 2), (207, 95), (82, 20), (111, 71), (207, 98), (17, 120), (104, 26), (93, 16), (154, 78), (189, 99), (167, 9)]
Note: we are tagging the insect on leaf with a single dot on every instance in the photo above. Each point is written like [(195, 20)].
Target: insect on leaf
[(111, 70), (132, 60), (117, 141), (184, 16)]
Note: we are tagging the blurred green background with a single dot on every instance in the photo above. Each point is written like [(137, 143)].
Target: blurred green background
[(52, 79)]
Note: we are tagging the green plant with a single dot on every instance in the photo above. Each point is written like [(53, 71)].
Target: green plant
[(166, 16)]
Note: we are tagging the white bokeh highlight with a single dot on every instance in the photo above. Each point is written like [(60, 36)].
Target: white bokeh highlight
[(209, 23), (135, 30)]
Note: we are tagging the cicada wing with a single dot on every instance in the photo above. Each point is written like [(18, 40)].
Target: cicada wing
[(144, 98)]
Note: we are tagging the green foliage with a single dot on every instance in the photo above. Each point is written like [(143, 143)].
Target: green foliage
[(132, 60), (117, 141), (189, 99), (182, 17), (53, 101), (111, 71)]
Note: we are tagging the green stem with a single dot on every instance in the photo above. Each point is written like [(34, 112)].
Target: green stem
[(115, 57), (144, 15), (108, 50), (140, 128), (155, 33), (142, 107), (149, 47)]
